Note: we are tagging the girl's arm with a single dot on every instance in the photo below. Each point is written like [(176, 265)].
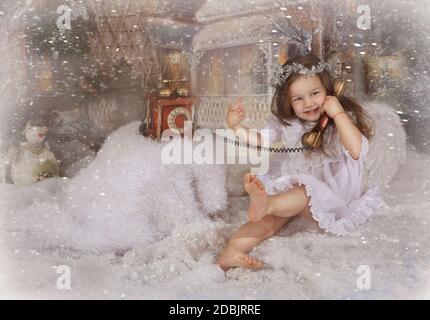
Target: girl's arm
[(235, 115), (350, 136)]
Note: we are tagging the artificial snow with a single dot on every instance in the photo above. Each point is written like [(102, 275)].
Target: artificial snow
[(130, 243), (119, 240), (124, 198)]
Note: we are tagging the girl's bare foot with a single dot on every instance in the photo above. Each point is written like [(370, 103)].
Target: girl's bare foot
[(229, 259), (259, 198)]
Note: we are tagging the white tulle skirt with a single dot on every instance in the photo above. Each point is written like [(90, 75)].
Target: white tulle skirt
[(332, 213)]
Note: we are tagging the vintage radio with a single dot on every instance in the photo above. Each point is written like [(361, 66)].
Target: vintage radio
[(166, 113)]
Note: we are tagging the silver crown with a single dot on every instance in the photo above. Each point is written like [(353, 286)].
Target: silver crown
[(281, 73)]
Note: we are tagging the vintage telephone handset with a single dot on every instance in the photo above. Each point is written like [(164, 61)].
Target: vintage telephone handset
[(313, 139)]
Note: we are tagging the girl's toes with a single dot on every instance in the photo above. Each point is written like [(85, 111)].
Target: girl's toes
[(247, 178), (251, 262), (256, 263), (259, 184)]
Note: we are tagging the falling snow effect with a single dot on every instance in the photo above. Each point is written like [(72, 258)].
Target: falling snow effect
[(148, 258), (302, 263)]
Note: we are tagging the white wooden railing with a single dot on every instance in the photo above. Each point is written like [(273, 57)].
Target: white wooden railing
[(210, 111)]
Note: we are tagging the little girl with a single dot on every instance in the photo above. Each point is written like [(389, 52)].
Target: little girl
[(326, 185)]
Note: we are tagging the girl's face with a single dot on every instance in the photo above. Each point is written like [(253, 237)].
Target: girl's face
[(306, 96)]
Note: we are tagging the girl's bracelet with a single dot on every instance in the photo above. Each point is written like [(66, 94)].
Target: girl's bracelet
[(338, 114)]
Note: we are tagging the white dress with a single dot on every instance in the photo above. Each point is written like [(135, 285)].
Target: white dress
[(340, 200)]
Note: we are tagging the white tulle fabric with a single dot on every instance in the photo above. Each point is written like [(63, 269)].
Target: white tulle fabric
[(340, 200)]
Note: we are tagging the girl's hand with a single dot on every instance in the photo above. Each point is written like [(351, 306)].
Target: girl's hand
[(235, 114), (332, 106)]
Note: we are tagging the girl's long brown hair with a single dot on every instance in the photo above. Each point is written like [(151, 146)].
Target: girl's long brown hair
[(281, 106)]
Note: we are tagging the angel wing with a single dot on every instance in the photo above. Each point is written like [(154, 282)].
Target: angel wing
[(387, 148)]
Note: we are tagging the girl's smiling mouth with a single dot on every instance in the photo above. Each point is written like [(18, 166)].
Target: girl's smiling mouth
[(312, 111)]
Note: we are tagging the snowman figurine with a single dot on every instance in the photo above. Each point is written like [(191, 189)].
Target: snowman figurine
[(33, 160)]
